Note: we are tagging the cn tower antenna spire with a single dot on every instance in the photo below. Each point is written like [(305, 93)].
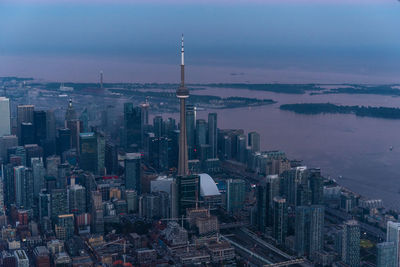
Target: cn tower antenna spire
[(182, 63), (182, 93), (182, 53)]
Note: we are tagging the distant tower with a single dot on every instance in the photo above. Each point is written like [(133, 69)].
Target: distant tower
[(101, 79), (145, 111), (182, 93), (70, 114), (5, 121)]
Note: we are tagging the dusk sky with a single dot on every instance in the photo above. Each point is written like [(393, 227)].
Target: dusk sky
[(236, 41)]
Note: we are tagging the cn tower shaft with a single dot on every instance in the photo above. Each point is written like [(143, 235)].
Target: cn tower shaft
[(182, 93)]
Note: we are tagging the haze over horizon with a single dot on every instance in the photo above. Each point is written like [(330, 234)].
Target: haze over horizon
[(134, 41)]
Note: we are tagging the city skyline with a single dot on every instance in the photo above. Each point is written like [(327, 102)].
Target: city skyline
[(137, 166)]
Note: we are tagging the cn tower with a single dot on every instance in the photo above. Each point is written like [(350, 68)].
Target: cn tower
[(182, 93)]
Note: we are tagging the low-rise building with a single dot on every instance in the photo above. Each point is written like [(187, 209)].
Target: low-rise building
[(221, 251), (21, 258), (175, 235), (146, 256), (41, 256)]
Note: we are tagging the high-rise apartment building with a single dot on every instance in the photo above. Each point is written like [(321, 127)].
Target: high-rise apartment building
[(77, 199), (235, 194), (58, 203), (351, 243), (88, 152), (280, 220), (133, 172), (254, 141), (97, 212), (65, 226), (132, 134), (393, 235), (191, 130), (40, 125), (188, 190), (309, 226), (5, 123), (201, 133), (24, 114), (213, 134), (386, 254)]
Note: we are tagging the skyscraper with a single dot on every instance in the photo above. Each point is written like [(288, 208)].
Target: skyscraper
[(6, 142), (309, 230), (235, 194), (131, 200), (50, 125), (97, 212), (132, 127), (23, 182), (213, 134), (88, 152), (70, 114), (76, 127), (393, 235), (351, 243), (316, 229), (27, 135), (201, 134), (44, 204), (188, 192), (302, 230), (65, 226), (386, 256), (101, 150), (5, 126), (39, 123), (254, 141), (241, 148), (58, 203), (63, 140), (158, 126), (111, 158), (84, 118), (77, 199), (133, 172), (191, 130), (182, 93), (19, 178), (272, 191), (317, 186), (266, 191), (158, 152), (279, 229), (38, 174), (145, 112), (24, 114)]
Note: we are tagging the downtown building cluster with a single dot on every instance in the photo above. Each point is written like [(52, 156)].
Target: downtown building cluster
[(131, 192)]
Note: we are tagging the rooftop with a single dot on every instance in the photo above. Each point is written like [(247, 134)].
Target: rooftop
[(86, 135), (41, 250), (208, 186), (133, 156), (20, 254)]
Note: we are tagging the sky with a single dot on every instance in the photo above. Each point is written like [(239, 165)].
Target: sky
[(291, 41)]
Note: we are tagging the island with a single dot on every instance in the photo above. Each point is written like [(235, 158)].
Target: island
[(326, 108)]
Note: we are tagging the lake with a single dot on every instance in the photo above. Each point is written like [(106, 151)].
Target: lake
[(357, 149)]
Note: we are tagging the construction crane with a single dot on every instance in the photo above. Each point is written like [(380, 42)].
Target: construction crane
[(116, 242)]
